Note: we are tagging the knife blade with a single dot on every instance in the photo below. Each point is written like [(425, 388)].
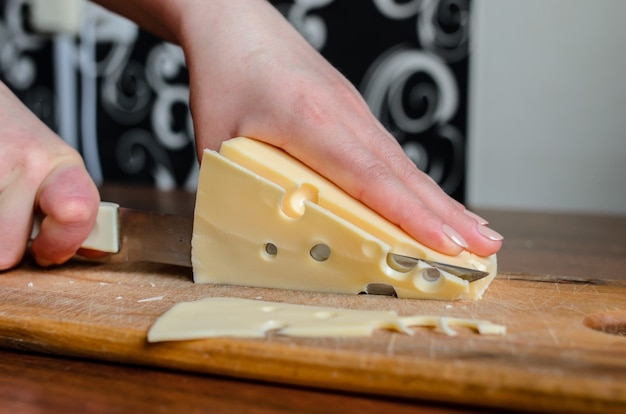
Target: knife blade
[(153, 237), (471, 275), (135, 236)]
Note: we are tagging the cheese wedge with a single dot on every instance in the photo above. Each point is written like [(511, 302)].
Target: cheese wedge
[(262, 218)]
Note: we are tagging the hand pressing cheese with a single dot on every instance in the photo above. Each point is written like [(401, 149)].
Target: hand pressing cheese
[(263, 218)]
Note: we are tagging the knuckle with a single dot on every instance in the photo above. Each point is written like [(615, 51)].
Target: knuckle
[(309, 108), (74, 211)]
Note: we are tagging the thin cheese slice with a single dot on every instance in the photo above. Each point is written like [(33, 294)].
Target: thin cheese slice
[(263, 218), (245, 318)]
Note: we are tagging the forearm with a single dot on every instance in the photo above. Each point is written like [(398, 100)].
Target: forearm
[(201, 25), (161, 17), (165, 18)]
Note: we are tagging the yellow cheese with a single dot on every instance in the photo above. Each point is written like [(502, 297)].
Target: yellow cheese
[(245, 318), (262, 218)]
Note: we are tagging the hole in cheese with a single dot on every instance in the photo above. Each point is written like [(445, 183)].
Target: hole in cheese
[(396, 263), (292, 203), (271, 249), (320, 252), (431, 274)]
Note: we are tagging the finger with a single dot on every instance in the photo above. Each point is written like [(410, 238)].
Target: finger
[(15, 222), (68, 199), (481, 239), (453, 222), (463, 227)]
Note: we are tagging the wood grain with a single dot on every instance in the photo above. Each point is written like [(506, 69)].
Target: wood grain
[(550, 359), (33, 383)]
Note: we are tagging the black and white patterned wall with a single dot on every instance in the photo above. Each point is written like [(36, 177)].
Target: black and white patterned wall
[(119, 95)]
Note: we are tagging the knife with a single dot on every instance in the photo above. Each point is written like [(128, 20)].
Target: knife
[(134, 236), (137, 236), (152, 237)]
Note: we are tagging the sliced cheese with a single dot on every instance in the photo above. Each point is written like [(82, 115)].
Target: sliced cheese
[(245, 318), (262, 218)]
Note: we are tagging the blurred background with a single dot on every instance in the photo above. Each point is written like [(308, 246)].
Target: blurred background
[(548, 105), (513, 104)]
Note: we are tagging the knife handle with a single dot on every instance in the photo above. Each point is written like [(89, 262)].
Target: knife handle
[(105, 235)]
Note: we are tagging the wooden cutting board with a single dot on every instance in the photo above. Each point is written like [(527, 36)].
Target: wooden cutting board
[(565, 349)]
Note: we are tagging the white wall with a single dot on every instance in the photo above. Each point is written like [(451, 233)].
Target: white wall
[(547, 125)]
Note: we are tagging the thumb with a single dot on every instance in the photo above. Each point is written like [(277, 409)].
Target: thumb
[(68, 199)]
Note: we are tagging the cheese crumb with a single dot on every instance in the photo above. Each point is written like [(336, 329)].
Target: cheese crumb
[(150, 299)]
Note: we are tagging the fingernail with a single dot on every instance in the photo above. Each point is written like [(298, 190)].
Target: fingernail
[(454, 236), (489, 233), (476, 217)]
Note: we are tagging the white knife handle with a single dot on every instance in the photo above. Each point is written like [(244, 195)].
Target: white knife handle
[(105, 235)]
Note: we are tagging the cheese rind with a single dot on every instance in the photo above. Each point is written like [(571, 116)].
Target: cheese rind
[(262, 217), (245, 318)]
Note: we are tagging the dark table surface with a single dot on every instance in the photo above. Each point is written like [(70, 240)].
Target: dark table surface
[(579, 245)]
